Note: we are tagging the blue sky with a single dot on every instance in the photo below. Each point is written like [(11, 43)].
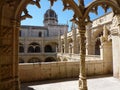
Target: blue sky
[(63, 16)]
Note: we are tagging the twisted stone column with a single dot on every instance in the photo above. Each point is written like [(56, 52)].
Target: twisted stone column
[(82, 75)]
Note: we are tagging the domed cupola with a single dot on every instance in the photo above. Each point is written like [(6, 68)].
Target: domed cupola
[(50, 17)]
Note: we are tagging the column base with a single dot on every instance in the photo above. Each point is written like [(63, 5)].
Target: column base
[(83, 88), (82, 83)]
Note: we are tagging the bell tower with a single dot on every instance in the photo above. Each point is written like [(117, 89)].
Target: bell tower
[(50, 18)]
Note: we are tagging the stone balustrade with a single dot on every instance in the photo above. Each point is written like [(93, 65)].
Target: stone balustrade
[(76, 57), (59, 70)]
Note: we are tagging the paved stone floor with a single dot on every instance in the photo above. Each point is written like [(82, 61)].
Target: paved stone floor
[(94, 83)]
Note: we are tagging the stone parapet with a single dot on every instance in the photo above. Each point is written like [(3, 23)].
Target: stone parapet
[(59, 70)]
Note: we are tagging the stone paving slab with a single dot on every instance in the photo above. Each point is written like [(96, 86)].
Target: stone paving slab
[(99, 83)]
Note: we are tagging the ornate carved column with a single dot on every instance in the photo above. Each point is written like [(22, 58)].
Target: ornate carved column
[(74, 42), (115, 32), (89, 47), (8, 49), (15, 41), (82, 75), (9, 57)]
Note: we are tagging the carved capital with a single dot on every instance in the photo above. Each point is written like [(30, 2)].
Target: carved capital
[(115, 27)]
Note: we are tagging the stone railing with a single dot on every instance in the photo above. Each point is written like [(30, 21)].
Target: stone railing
[(59, 70), (76, 57), (45, 53), (38, 38), (107, 18)]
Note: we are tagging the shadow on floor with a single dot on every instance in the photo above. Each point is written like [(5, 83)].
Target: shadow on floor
[(27, 86)]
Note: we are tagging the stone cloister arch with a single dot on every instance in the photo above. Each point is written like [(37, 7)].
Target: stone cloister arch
[(10, 17), (97, 42)]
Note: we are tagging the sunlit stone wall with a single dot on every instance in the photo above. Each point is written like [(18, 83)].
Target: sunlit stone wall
[(58, 70)]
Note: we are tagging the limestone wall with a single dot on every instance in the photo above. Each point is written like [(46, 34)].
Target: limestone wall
[(57, 70)]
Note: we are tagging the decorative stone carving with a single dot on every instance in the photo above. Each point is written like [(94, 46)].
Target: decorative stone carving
[(26, 15), (5, 41), (25, 11), (104, 38), (115, 29), (6, 71)]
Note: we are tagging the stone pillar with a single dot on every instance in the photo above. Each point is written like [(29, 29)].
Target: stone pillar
[(26, 45), (115, 31), (59, 43), (74, 40), (42, 46), (106, 51), (82, 75), (9, 57), (106, 56), (8, 49), (65, 42), (89, 48), (101, 52), (61, 48), (70, 48), (16, 28)]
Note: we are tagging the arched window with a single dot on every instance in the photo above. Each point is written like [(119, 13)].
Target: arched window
[(50, 59), (97, 47), (30, 49), (98, 43), (40, 34), (37, 49), (48, 48), (34, 48)]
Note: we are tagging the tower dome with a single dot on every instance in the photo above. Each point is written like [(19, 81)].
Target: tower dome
[(50, 17)]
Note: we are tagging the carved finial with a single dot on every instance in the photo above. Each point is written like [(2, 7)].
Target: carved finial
[(81, 2), (52, 2), (36, 3), (73, 26), (26, 15)]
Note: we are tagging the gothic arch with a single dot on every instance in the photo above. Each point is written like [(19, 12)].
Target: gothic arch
[(34, 48), (97, 41), (97, 46), (97, 32), (111, 3), (30, 49), (10, 24), (48, 48)]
